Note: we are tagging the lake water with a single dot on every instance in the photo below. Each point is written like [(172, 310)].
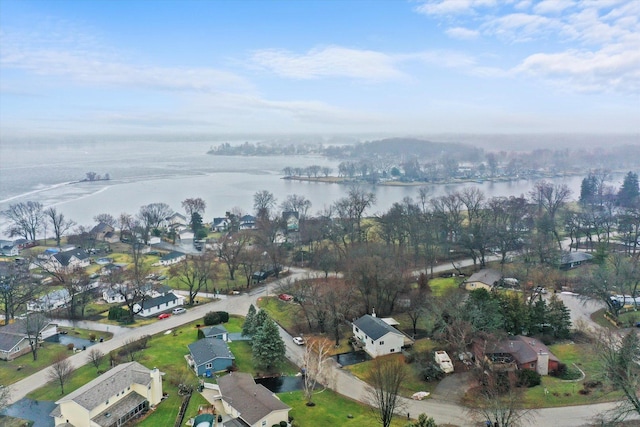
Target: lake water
[(144, 172)]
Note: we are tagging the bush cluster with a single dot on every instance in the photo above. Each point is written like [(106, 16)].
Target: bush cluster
[(215, 318)]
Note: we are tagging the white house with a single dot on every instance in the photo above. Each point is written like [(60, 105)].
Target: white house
[(158, 304), (172, 258), (220, 224), (50, 301), (112, 296), (378, 337), (9, 248), (175, 220), (249, 403), (116, 397), (69, 260)]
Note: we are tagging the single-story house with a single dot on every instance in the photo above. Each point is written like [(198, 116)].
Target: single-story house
[(377, 337), (171, 258), (573, 259), (113, 296), (100, 231), (220, 224), (121, 394), (9, 248), (251, 403), (209, 355), (158, 304), (14, 341), (487, 278), (217, 331), (519, 352)]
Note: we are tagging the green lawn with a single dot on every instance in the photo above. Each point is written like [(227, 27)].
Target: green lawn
[(331, 410), (441, 285), (284, 313)]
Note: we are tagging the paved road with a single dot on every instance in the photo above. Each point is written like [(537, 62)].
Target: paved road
[(338, 379)]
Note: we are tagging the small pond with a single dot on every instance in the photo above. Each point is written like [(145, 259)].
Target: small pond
[(281, 384), (68, 339), (34, 410), (351, 358)]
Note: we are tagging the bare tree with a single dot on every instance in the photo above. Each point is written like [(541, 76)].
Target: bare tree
[(385, 377), (59, 223), (25, 219), (33, 325), (230, 248), (60, 371), (95, 357), (621, 358), (16, 287), (106, 218), (296, 203), (194, 205), (550, 199), (263, 202), (195, 273), (151, 216), (315, 359)]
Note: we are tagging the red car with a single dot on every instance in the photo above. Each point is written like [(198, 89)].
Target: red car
[(285, 297), (164, 316)]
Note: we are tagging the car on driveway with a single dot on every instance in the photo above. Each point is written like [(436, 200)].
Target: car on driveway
[(298, 340), (164, 316), (179, 310), (285, 297)]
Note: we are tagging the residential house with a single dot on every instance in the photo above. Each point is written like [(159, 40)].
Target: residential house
[(172, 258), (518, 352), (116, 397), (217, 331), (69, 260), (104, 233), (220, 224), (292, 219), (156, 305), (250, 403), (247, 222), (112, 296), (175, 220), (377, 337), (185, 233), (209, 355), (573, 259), (14, 340), (51, 301), (9, 248), (486, 278)]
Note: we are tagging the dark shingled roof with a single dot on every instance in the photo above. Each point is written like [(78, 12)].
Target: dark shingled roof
[(212, 331), (154, 302), (488, 276), (172, 255), (64, 257), (374, 327), (253, 401), (570, 257), (208, 349), (523, 349)]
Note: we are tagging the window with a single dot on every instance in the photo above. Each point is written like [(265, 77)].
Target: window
[(357, 330), (373, 342), (392, 350), (208, 366), (381, 342), (264, 423)]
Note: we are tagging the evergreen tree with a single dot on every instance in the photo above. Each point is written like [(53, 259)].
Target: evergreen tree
[(267, 345), (588, 189), (629, 194), (248, 327), (260, 318), (423, 421), (537, 317), (559, 317)]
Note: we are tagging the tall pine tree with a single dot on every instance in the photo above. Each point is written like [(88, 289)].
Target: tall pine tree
[(629, 194), (248, 327), (267, 345)]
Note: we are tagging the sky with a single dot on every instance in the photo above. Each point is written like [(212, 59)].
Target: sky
[(334, 66)]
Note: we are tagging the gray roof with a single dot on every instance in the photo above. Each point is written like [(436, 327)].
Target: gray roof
[(154, 302), (253, 401), (212, 331), (523, 349), (118, 410), (236, 422), (65, 257), (571, 257), (13, 333), (375, 327), (101, 228), (488, 276), (115, 380), (208, 349)]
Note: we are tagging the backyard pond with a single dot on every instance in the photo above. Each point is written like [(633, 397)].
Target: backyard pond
[(281, 384), (34, 410), (66, 339), (351, 358)]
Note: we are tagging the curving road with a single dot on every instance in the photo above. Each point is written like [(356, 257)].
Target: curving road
[(339, 380)]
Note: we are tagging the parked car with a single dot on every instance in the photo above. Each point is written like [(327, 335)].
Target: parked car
[(285, 297), (179, 310), (638, 325), (298, 340), (164, 316)]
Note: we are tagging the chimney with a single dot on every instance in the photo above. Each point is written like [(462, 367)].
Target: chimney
[(373, 312)]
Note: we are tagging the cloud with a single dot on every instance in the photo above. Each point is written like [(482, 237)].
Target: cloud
[(462, 33), (331, 61), (552, 6), (452, 7)]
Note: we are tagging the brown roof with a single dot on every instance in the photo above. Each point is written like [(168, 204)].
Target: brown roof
[(523, 349), (253, 401)]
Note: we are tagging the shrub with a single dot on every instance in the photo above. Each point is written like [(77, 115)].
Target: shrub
[(560, 372), (118, 313), (70, 346), (224, 316), (592, 384), (283, 424), (92, 337), (528, 378), (211, 318)]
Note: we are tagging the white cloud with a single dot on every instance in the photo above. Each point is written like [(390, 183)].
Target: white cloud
[(552, 6), (332, 61), (462, 33), (452, 7)]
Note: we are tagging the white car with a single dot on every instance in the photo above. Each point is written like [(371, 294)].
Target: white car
[(298, 340), (179, 310)]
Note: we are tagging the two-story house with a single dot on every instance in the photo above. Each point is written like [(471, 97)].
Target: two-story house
[(377, 337)]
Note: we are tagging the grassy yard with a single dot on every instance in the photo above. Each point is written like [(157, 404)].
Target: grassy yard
[(332, 410), (6, 421), (441, 285), (284, 313)]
